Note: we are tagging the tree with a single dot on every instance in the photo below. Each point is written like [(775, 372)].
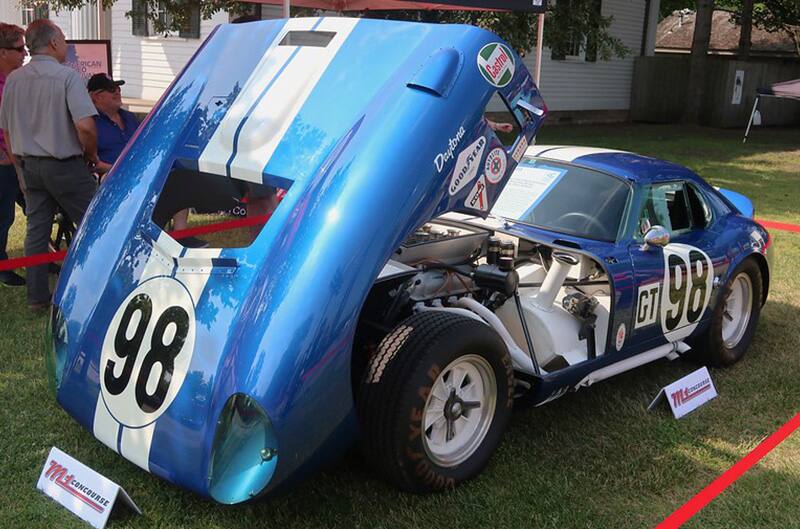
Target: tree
[(566, 20), (697, 61)]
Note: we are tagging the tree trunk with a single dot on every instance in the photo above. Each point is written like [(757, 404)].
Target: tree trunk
[(697, 62), (747, 30)]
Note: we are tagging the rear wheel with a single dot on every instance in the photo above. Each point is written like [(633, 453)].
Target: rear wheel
[(435, 401), (734, 320)]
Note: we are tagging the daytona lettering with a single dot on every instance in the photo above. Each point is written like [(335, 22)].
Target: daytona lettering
[(443, 157)]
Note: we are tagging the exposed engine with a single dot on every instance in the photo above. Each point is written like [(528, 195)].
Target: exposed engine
[(550, 305)]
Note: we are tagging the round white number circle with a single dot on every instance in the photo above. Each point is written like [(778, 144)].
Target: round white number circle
[(147, 350)]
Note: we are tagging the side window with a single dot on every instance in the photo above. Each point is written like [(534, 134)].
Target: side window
[(701, 211), (666, 205)]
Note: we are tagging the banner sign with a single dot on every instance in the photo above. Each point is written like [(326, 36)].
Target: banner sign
[(80, 489), (89, 57), (687, 394)]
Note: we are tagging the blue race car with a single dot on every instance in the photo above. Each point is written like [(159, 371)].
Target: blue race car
[(381, 301)]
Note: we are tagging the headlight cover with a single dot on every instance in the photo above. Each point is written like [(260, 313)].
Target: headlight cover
[(245, 451), (55, 353)]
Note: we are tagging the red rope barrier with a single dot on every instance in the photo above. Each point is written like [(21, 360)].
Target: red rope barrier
[(54, 257)]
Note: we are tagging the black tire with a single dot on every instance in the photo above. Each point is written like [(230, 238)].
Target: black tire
[(710, 348), (396, 387)]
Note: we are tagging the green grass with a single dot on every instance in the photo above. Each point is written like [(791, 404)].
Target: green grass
[(593, 459)]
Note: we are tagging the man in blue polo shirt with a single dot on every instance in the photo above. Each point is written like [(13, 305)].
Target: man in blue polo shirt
[(115, 127)]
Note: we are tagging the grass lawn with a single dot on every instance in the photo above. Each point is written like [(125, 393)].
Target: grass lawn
[(593, 459)]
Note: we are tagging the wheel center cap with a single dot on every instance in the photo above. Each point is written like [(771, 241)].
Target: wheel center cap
[(456, 410)]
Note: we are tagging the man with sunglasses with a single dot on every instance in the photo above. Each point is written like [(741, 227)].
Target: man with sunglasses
[(48, 121), (115, 125), (12, 55)]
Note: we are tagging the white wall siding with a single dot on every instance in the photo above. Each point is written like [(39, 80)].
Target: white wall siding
[(149, 64), (10, 12), (602, 85)]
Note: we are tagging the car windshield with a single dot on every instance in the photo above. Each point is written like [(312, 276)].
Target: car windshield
[(564, 198)]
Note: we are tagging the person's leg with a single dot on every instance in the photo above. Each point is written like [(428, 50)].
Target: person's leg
[(9, 188), (72, 186), (180, 220), (41, 207), (261, 200), (8, 195)]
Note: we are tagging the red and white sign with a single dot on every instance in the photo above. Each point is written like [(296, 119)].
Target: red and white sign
[(687, 394), (80, 489)]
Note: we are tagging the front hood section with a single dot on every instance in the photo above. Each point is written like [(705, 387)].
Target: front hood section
[(372, 134)]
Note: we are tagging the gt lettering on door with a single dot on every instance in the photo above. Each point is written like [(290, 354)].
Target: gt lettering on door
[(647, 305)]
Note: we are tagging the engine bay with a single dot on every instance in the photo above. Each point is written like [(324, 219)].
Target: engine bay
[(550, 305)]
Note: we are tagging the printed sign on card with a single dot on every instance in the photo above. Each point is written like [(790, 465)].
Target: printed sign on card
[(84, 492), (687, 394)]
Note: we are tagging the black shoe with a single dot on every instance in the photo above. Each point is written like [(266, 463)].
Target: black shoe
[(11, 279), (193, 242)]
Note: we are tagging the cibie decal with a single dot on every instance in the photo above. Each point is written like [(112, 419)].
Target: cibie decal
[(496, 64), (519, 150), (146, 351), (495, 166), (441, 159), (620, 340), (467, 165), (477, 198)]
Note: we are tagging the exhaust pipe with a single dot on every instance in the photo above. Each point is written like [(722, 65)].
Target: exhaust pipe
[(554, 280)]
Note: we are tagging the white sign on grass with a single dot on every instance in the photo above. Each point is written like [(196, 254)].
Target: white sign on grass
[(687, 394), (80, 489)]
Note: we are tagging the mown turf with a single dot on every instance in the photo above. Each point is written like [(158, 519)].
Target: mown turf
[(594, 459)]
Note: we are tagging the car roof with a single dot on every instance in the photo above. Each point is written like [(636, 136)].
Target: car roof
[(628, 165)]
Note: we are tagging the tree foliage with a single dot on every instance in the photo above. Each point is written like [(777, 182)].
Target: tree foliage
[(568, 21)]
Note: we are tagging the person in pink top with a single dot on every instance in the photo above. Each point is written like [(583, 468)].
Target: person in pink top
[(12, 54)]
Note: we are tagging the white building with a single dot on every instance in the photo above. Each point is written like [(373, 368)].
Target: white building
[(576, 87)]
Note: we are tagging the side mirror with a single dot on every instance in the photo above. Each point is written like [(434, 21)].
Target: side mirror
[(656, 236)]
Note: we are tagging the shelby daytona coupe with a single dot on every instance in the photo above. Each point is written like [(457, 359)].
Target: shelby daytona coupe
[(419, 277)]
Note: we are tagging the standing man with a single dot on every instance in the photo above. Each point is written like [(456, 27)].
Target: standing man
[(47, 117), (12, 54)]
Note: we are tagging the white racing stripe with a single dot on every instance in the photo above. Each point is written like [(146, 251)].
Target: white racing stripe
[(565, 153), (135, 443), (281, 83)]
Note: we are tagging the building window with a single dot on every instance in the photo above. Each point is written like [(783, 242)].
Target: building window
[(142, 23), (29, 14), (579, 46)]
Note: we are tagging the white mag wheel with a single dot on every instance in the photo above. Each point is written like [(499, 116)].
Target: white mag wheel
[(459, 410), (737, 310)]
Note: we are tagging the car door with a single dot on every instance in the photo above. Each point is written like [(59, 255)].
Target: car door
[(673, 283)]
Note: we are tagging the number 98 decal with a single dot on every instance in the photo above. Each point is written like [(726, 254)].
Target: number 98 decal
[(688, 279), (147, 350)]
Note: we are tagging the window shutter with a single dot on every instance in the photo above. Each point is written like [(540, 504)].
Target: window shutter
[(139, 18), (191, 29)]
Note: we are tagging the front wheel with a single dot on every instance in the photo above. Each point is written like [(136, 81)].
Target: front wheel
[(435, 401), (734, 320)]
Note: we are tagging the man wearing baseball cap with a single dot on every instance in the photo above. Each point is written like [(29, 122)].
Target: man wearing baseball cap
[(115, 126)]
